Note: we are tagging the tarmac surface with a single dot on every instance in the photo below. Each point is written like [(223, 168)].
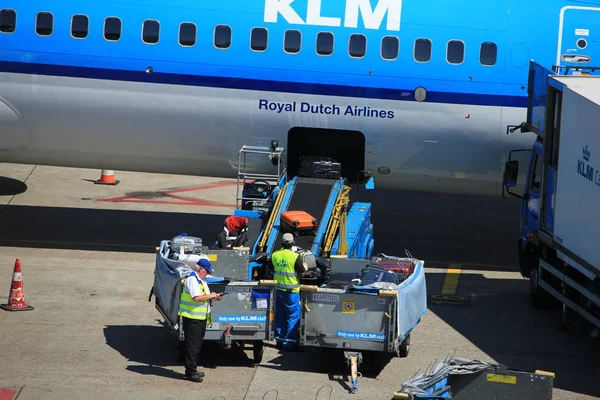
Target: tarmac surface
[(87, 253)]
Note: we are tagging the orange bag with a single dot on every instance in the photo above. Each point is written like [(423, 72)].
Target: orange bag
[(298, 222)]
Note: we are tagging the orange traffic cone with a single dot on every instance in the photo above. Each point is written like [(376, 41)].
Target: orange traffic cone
[(107, 177), (16, 298)]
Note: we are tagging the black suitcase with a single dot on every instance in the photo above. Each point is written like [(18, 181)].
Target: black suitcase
[(320, 167)]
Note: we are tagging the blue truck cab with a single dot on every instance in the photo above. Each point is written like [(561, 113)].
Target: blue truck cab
[(558, 222)]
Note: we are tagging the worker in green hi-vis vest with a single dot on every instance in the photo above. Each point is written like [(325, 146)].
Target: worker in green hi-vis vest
[(288, 268)]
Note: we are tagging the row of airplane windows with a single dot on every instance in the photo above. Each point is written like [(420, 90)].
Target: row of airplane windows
[(259, 38)]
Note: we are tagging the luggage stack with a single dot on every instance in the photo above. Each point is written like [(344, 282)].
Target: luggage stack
[(320, 167)]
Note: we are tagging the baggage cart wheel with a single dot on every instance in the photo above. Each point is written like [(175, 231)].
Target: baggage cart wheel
[(257, 351), (404, 347)]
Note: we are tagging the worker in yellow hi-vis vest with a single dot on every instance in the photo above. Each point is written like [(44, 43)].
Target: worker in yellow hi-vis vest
[(194, 310), (288, 268)]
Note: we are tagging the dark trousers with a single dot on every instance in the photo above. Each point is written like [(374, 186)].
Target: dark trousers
[(193, 330)]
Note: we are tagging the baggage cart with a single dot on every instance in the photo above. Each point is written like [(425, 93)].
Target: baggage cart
[(464, 379), (356, 318), (244, 314)]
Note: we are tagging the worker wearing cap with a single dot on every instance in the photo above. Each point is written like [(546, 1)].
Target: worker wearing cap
[(288, 268), (194, 314)]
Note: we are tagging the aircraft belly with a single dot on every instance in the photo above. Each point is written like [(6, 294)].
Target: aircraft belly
[(14, 133), (195, 130)]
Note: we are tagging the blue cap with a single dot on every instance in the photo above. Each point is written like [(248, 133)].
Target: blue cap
[(204, 263)]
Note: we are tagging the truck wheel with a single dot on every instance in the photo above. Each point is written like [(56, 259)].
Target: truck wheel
[(258, 351), (525, 262), (404, 347), (539, 297)]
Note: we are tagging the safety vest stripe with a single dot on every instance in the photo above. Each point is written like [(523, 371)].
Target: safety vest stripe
[(199, 313), (286, 286), (194, 305), (293, 275)]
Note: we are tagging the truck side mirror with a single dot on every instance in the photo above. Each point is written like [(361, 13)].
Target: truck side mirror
[(511, 172)]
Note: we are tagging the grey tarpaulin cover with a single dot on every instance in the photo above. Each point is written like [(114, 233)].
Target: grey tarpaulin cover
[(448, 366), (167, 277)]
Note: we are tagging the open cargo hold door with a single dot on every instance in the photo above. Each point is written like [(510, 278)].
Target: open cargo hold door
[(536, 98)]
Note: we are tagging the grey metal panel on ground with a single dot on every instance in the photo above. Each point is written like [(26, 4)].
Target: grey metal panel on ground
[(239, 310), (501, 384), (230, 264), (346, 320)]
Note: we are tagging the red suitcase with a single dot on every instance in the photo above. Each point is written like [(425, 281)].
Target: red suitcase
[(405, 266), (298, 223)]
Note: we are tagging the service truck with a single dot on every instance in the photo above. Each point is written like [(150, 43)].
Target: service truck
[(559, 244)]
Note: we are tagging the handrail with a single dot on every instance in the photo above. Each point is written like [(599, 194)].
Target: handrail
[(274, 211)]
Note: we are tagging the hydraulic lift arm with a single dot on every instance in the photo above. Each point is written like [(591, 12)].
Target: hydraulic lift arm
[(337, 220)]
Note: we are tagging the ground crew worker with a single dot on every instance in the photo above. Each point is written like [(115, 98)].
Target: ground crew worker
[(234, 232), (194, 312), (288, 268)]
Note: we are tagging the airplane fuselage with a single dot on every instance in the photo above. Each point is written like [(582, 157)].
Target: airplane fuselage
[(418, 94)]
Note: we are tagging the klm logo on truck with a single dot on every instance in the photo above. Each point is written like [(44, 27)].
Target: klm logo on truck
[(585, 169)]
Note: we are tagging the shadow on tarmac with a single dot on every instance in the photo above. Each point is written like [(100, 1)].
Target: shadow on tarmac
[(434, 227), (502, 323), (101, 230), (11, 187), (155, 347)]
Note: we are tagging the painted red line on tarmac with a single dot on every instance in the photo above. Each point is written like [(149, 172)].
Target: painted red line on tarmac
[(183, 200), (7, 394), (203, 187), (198, 202), (179, 203)]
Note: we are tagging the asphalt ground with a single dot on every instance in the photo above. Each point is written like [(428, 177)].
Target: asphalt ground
[(87, 252)]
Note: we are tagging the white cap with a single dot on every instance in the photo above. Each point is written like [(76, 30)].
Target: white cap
[(287, 238)]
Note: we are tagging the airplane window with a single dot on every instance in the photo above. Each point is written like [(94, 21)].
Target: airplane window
[(422, 51), (455, 52), (187, 34), (488, 53), (8, 21), (357, 45), (222, 39), (112, 28), (292, 41), (151, 31), (44, 24), (258, 39), (79, 26), (324, 43), (389, 47)]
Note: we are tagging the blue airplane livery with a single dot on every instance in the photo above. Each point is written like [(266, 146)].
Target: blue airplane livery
[(419, 93)]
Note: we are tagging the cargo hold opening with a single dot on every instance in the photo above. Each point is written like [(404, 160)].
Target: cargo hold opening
[(347, 147)]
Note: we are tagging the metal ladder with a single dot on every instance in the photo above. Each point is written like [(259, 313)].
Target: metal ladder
[(245, 176)]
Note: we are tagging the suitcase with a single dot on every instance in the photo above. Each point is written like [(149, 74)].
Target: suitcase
[(405, 267), (190, 244), (320, 167), (298, 223)]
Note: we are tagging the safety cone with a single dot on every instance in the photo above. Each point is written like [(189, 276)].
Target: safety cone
[(16, 298), (107, 177)]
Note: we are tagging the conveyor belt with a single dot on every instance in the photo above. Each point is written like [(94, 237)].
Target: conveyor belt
[(310, 195), (255, 226)]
